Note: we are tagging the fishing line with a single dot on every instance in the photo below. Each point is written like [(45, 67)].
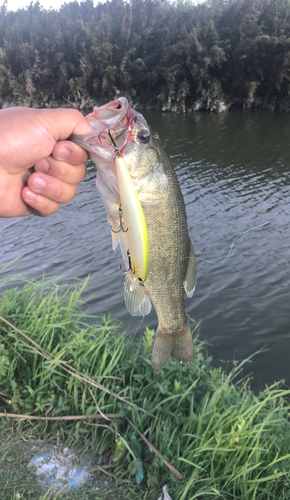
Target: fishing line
[(138, 327), (240, 234)]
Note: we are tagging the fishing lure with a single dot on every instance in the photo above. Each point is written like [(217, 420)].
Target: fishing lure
[(134, 219), (132, 216)]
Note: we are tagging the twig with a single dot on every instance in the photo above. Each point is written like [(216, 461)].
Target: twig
[(88, 380), (45, 354), (5, 340), (170, 467), (102, 425), (68, 417), (97, 406), (34, 349)]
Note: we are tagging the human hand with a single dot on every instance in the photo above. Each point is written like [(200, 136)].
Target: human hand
[(37, 138)]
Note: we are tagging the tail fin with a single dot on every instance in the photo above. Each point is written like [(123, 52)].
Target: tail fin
[(179, 347)]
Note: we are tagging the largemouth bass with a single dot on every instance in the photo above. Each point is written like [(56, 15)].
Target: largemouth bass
[(118, 131)]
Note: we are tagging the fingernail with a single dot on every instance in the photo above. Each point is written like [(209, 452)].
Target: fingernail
[(29, 196), (39, 184), (63, 153), (43, 166)]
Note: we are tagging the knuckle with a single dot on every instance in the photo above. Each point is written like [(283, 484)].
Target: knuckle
[(47, 207), (78, 154), (61, 171), (66, 193)]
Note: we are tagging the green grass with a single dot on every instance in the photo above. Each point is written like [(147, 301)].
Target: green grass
[(223, 439)]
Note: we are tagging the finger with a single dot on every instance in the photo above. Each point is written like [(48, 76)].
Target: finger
[(11, 202), (70, 152), (51, 188), (39, 204), (65, 172)]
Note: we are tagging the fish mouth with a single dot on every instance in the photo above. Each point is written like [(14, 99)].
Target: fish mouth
[(110, 115), (111, 125)]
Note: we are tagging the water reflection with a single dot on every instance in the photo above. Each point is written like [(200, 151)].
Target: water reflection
[(233, 170)]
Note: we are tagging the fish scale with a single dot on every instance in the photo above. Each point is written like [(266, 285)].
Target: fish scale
[(167, 232)]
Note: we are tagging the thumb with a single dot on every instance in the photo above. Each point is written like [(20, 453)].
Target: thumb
[(63, 122)]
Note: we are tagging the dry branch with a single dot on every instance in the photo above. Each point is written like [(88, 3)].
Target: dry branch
[(170, 467), (68, 417)]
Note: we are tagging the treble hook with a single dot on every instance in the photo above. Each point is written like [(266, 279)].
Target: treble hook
[(117, 151), (130, 264), (121, 223)]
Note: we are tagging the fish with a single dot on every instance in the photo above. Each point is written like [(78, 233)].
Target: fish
[(119, 132)]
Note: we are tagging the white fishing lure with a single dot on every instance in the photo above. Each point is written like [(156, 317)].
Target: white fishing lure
[(134, 222)]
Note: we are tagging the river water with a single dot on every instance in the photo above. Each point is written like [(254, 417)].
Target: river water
[(234, 173)]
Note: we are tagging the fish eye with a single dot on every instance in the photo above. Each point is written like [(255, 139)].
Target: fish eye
[(144, 136)]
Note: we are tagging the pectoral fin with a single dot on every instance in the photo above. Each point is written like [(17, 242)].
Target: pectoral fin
[(138, 304), (190, 277)]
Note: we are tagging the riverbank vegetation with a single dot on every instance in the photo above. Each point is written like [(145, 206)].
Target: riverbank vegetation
[(174, 56), (78, 381)]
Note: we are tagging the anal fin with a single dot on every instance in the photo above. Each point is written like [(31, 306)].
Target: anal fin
[(137, 302)]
